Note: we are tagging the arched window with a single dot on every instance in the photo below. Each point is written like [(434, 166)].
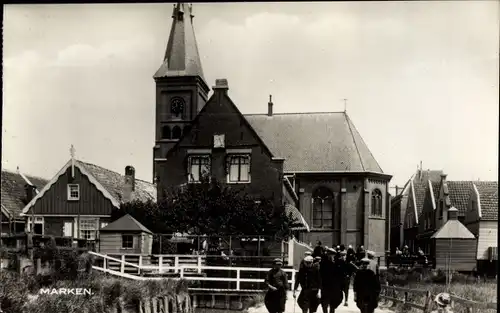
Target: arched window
[(186, 129), (322, 208), (376, 202), (176, 132), (165, 132)]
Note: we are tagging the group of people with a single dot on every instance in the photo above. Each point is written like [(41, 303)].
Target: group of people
[(325, 277)]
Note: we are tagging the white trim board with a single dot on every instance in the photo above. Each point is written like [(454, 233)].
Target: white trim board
[(479, 213), (432, 195), (62, 172)]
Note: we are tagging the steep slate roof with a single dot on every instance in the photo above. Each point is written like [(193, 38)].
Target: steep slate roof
[(421, 184), (114, 183), (13, 197), (488, 199), (315, 142), (458, 192), (435, 188), (181, 57), (126, 223)]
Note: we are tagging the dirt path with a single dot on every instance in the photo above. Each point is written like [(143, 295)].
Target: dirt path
[(292, 307)]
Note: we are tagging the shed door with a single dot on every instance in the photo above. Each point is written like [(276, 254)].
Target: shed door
[(68, 229)]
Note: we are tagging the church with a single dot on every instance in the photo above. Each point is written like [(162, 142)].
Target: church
[(316, 162)]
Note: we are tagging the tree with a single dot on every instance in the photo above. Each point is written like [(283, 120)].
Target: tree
[(212, 209)]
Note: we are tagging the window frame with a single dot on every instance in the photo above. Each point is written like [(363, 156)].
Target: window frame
[(69, 191), (240, 165), (123, 241), (95, 229), (376, 198), (200, 156), (315, 198), (38, 220)]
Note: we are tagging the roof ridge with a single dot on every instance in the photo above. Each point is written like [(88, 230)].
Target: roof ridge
[(293, 113), (107, 169), (28, 175), (351, 124), (355, 144)]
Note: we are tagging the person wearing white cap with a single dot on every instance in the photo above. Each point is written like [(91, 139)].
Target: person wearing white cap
[(373, 262), (366, 288), (309, 279), (277, 282), (443, 301)]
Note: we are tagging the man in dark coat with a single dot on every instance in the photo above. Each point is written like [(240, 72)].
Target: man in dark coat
[(277, 282), (366, 288), (347, 270), (331, 279), (318, 250), (351, 255), (309, 279)]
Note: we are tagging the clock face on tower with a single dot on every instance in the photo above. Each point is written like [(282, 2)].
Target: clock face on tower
[(177, 106)]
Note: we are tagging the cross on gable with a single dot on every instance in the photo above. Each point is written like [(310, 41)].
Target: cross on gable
[(72, 151)]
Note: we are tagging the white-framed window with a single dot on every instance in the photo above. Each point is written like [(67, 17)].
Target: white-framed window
[(73, 192), (199, 167), (127, 241), (88, 228), (68, 228), (39, 225), (238, 168)]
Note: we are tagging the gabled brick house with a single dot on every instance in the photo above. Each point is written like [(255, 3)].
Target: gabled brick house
[(17, 190), (80, 198), (319, 159), (481, 218)]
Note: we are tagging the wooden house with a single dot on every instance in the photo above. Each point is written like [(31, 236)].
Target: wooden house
[(17, 190), (481, 219), (452, 194), (125, 236), (80, 198), (455, 245), (420, 192)]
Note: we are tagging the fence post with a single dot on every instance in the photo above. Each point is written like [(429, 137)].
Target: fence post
[(122, 265), (293, 279), (140, 264), (104, 263), (160, 263), (428, 302), (405, 305), (238, 273), (176, 264), (199, 264), (182, 272)]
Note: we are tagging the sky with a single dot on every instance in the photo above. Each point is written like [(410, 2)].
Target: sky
[(421, 78)]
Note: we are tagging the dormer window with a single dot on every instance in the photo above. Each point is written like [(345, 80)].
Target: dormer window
[(73, 192)]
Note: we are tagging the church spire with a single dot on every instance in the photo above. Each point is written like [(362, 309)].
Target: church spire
[(181, 56)]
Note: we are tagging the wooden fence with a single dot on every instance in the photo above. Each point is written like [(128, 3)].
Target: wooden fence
[(406, 297)]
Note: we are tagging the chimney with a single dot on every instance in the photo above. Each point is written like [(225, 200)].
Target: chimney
[(270, 106), (443, 177), (452, 214), (30, 192), (420, 171), (129, 184), (221, 86)]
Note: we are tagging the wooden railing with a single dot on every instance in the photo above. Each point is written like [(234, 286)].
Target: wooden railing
[(405, 296), (118, 266)]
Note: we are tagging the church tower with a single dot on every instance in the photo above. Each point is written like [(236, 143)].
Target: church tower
[(181, 89)]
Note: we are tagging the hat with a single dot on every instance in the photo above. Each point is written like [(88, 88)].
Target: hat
[(307, 253), (370, 254), (442, 299), (365, 260), (278, 261), (350, 247), (317, 258), (308, 259), (330, 250)]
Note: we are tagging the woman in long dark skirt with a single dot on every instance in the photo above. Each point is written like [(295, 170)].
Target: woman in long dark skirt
[(277, 282)]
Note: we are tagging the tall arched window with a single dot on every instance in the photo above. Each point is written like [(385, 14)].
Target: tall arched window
[(322, 208), (376, 202), (165, 132), (176, 132)]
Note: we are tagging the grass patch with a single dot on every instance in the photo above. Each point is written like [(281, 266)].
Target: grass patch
[(464, 286)]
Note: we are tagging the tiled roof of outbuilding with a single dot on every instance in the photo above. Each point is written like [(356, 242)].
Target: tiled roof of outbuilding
[(459, 192), (488, 197)]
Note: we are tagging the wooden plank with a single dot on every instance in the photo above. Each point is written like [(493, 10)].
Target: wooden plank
[(404, 289), (474, 304), (416, 306)]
